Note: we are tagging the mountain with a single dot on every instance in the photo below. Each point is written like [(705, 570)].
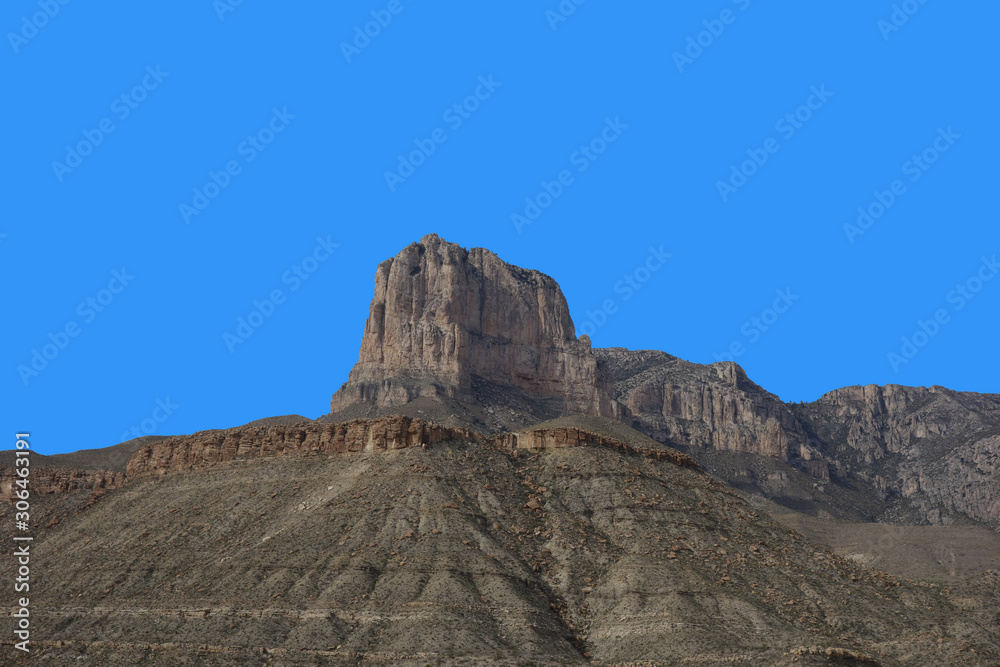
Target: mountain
[(465, 338), (489, 489)]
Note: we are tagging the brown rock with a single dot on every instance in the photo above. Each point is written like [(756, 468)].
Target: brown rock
[(61, 480), (443, 316), (302, 439)]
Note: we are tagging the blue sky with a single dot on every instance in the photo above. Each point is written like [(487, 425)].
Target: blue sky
[(691, 174)]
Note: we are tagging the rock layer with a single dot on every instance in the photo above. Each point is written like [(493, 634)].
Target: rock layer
[(60, 480), (560, 437), (277, 440)]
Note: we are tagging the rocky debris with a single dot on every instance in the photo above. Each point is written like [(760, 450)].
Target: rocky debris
[(277, 440), (60, 480), (442, 314)]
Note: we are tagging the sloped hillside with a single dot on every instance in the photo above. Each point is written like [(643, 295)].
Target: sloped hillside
[(459, 552)]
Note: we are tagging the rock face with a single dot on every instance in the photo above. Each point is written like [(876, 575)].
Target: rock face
[(278, 440), (445, 320), (61, 480), (179, 453), (715, 407), (938, 449), (558, 438), (582, 539)]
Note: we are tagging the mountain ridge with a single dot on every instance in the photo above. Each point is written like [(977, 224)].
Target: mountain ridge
[(488, 488)]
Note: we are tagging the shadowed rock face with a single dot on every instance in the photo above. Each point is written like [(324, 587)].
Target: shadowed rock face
[(937, 448), (443, 317), (714, 407)]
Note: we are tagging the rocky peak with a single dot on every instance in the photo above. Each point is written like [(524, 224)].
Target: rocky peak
[(445, 321)]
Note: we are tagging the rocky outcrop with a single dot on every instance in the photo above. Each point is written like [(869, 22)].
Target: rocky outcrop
[(558, 438), (277, 440), (444, 318), (939, 449), (43, 481), (463, 325), (697, 406)]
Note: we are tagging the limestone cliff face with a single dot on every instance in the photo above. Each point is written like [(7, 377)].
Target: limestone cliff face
[(443, 318), (938, 448), (714, 406)]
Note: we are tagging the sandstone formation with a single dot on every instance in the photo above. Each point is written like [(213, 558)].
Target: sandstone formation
[(492, 345), (444, 318), (558, 438), (180, 453), (278, 440), (60, 480)]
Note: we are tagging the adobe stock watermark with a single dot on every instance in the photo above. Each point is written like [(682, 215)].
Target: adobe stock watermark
[(562, 12), (381, 18), (958, 297), (915, 167), (714, 28), (900, 15), (757, 325), (629, 284), (249, 149), (149, 425), (223, 7), (455, 116), (87, 310), (294, 277), (787, 126), (585, 155), (122, 106), (31, 25), (21, 556)]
